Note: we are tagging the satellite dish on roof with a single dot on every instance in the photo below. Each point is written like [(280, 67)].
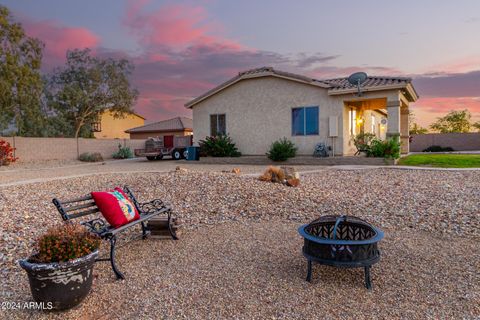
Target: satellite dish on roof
[(357, 79)]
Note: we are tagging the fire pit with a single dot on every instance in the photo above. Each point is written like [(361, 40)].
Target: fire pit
[(341, 241)]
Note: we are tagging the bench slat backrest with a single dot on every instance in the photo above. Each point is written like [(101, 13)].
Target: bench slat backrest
[(79, 207), (76, 208)]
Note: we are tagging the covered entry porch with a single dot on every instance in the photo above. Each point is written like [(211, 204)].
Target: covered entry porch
[(380, 105), (379, 116)]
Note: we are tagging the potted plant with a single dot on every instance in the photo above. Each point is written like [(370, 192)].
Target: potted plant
[(61, 269)]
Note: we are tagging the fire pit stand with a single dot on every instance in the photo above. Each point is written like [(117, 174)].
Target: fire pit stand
[(341, 241)]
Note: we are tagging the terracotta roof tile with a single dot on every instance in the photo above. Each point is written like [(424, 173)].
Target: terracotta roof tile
[(371, 82), (333, 85)]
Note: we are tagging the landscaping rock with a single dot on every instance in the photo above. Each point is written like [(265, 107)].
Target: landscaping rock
[(240, 257)]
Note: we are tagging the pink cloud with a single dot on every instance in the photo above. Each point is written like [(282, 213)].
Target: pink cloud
[(464, 65), (59, 38), (443, 105), (426, 110), (172, 25)]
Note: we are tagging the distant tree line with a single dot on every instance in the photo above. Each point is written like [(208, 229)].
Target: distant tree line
[(65, 102), (452, 122)]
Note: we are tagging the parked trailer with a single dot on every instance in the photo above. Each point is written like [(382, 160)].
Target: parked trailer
[(155, 148)]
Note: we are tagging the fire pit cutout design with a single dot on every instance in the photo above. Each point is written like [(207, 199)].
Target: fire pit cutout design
[(341, 241)]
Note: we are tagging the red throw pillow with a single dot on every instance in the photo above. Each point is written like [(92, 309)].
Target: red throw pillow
[(116, 207)]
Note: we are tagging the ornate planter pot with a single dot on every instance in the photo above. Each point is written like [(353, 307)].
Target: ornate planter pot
[(63, 284)]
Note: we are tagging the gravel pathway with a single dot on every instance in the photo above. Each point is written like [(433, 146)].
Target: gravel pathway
[(240, 256)]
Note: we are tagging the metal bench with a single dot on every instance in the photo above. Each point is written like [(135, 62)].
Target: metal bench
[(86, 207)]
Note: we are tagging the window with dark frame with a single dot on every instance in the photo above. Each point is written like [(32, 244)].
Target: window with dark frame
[(305, 121), (217, 125), (96, 126)]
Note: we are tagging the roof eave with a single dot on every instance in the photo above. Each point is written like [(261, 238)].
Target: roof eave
[(236, 79), (412, 92), (333, 92), (151, 131)]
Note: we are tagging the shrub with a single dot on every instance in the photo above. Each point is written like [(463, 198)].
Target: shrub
[(389, 148), (363, 141), (281, 150), (90, 157), (68, 242), (438, 149), (6, 153), (219, 146), (123, 153)]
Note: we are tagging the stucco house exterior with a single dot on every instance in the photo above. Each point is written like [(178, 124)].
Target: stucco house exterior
[(110, 127), (262, 105)]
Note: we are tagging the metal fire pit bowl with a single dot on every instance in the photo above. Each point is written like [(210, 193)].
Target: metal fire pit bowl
[(341, 241)]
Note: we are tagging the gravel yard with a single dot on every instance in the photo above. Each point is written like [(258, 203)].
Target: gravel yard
[(239, 254)]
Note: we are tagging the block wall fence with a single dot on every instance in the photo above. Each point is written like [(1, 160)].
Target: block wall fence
[(32, 149), (458, 141)]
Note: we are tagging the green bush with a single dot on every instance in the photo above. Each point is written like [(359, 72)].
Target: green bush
[(363, 141), (281, 150), (219, 146), (90, 157), (438, 149), (123, 153), (389, 148)]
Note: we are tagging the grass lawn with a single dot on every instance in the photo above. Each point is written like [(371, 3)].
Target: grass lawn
[(442, 160)]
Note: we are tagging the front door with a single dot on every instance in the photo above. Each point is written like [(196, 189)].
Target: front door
[(168, 141)]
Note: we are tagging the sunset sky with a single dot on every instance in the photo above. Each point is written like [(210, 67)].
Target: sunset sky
[(184, 48)]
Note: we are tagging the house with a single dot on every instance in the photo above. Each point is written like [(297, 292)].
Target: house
[(179, 126), (262, 105), (109, 127)]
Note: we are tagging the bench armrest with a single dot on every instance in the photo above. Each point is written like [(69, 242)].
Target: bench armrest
[(152, 207), (96, 226)]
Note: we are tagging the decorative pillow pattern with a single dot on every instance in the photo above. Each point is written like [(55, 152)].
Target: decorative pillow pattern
[(116, 207)]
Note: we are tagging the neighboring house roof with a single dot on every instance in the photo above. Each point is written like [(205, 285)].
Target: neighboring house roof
[(136, 114), (132, 113), (334, 86), (175, 124)]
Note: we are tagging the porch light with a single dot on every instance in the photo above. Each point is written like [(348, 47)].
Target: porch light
[(359, 120)]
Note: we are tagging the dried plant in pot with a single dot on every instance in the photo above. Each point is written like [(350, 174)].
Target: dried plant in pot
[(60, 271)]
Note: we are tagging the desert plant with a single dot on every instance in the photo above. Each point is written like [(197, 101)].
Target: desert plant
[(219, 146), (90, 157), (283, 175), (6, 153), (389, 148), (65, 243), (438, 149), (273, 174), (123, 153), (363, 141), (281, 150)]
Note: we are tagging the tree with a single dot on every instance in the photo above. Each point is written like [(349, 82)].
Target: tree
[(20, 81), (415, 128), (476, 125), (85, 87), (454, 121)]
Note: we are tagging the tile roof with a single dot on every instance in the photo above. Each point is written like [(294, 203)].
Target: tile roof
[(262, 70), (175, 124), (333, 85), (371, 82)]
